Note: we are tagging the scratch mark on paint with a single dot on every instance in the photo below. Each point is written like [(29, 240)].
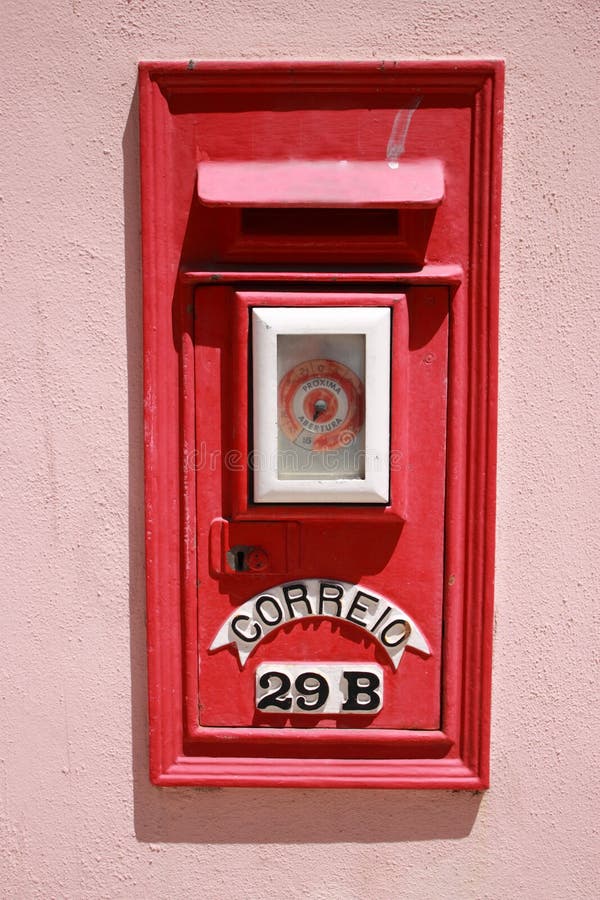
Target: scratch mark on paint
[(397, 140)]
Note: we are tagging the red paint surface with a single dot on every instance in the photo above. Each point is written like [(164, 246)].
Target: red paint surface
[(431, 550), (316, 183), (403, 561)]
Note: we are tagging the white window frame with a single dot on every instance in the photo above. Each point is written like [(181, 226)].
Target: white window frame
[(375, 324)]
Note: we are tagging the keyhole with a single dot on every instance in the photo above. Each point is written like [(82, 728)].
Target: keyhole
[(320, 407)]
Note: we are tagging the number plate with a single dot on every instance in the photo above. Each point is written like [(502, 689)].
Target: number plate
[(340, 688)]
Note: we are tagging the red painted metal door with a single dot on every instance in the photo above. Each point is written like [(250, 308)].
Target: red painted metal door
[(398, 557)]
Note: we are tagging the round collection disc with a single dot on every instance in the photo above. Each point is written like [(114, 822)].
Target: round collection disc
[(321, 405)]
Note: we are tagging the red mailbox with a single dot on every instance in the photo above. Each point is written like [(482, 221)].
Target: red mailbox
[(320, 247)]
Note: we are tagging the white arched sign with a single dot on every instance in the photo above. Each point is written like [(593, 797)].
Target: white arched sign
[(389, 625)]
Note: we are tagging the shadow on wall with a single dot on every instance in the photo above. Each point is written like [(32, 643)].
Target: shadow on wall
[(240, 815)]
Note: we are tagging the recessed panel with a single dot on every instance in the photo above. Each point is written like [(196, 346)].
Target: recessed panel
[(294, 586)]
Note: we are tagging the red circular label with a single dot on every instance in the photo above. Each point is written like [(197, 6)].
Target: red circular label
[(321, 405)]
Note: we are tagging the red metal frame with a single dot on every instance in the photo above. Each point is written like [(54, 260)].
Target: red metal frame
[(180, 751), (241, 487)]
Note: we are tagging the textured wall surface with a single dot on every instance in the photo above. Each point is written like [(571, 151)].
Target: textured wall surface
[(79, 818)]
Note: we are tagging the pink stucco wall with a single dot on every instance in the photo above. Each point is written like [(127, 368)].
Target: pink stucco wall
[(79, 818)]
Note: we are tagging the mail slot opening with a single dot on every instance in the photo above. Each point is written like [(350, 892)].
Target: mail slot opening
[(312, 210), (323, 222)]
